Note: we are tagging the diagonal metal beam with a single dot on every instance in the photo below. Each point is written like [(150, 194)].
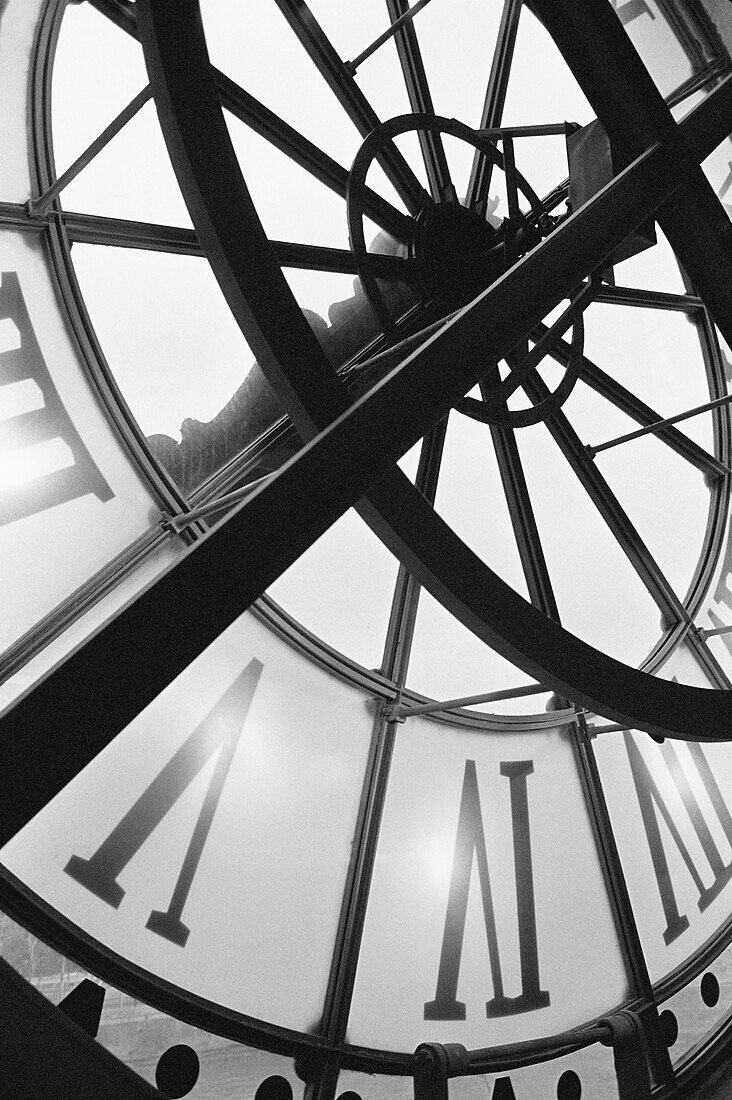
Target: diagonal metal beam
[(420, 100)]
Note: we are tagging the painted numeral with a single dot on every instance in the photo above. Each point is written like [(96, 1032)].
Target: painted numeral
[(22, 495), (653, 809), (470, 842), (220, 730)]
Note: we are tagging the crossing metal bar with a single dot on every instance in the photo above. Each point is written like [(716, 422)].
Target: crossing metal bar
[(404, 711), (548, 130), (184, 519), (42, 203), (406, 18), (715, 632), (651, 428)]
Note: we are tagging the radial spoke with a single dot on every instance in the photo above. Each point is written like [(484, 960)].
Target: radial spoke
[(95, 229), (420, 100), (317, 258), (523, 519), (495, 98), (407, 591), (609, 507), (632, 406), (152, 237), (303, 152), (279, 133), (352, 99)]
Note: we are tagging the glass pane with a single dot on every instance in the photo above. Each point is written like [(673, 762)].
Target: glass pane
[(475, 902), (16, 45), (271, 49), (318, 216), (341, 588), (721, 17), (654, 268), (449, 662), (178, 356), (258, 745), (131, 177), (70, 497), (472, 500), (126, 587), (654, 30)]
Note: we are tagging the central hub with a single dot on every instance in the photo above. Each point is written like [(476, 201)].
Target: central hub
[(457, 254)]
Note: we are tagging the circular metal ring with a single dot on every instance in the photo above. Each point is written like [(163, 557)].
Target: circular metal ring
[(387, 131), (494, 410)]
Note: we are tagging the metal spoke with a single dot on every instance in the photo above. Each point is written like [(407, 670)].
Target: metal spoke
[(420, 100), (95, 229), (279, 133), (522, 516), (495, 98), (152, 237), (632, 406), (352, 99), (303, 152), (609, 507)]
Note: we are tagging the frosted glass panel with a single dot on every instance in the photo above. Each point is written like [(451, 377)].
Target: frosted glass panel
[(488, 903), (209, 843), (17, 25), (70, 499), (656, 40), (31, 670)]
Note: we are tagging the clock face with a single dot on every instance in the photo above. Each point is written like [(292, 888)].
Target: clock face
[(231, 809)]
